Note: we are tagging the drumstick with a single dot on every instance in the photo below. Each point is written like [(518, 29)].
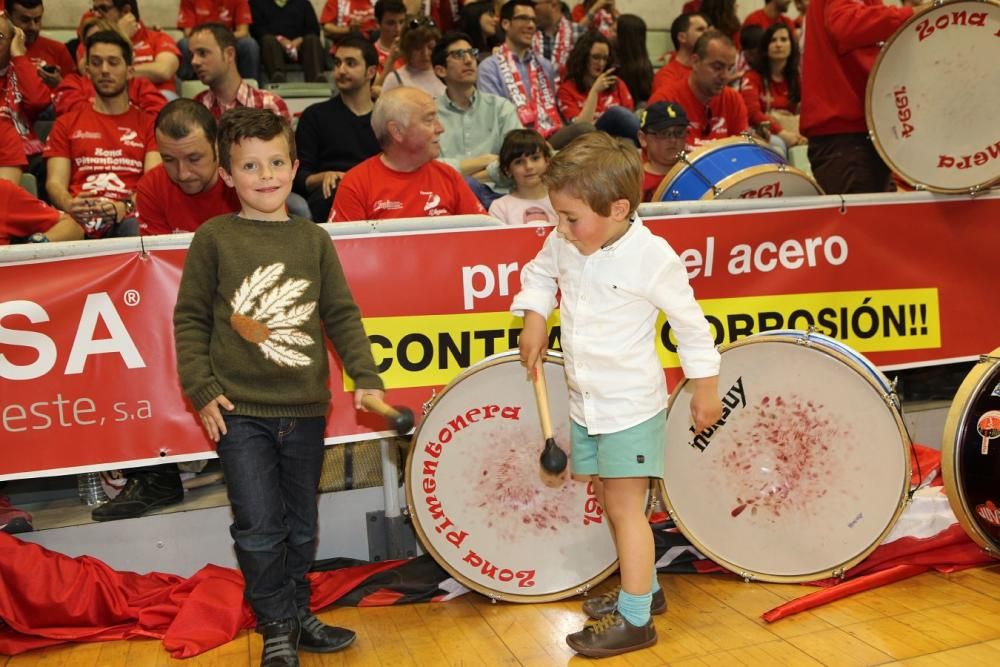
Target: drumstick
[(553, 458), (400, 417)]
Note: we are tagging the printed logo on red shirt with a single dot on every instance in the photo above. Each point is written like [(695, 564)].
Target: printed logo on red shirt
[(130, 137)]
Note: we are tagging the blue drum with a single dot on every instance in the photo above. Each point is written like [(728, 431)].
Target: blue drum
[(734, 168)]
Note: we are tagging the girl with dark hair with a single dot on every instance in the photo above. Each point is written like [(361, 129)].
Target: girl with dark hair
[(524, 158), (479, 21), (591, 93), (772, 88), (721, 15), (634, 67)]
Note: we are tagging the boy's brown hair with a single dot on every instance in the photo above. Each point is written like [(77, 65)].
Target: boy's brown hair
[(241, 123), (598, 169)]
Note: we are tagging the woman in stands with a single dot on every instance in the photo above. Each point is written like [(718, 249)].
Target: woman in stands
[(721, 15), (417, 43), (591, 91), (480, 22), (772, 88), (634, 67)]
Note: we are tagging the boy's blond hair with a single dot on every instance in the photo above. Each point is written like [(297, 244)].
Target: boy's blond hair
[(599, 170)]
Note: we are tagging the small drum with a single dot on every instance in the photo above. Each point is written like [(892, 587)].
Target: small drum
[(970, 454), (734, 168), (478, 503), (929, 97), (807, 470)]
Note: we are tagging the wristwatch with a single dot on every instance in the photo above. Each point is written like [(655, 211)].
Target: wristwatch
[(129, 209), (38, 237)]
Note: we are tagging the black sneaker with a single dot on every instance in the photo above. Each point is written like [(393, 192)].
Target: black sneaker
[(612, 635), (12, 519), (602, 605), (318, 637), (281, 643), (142, 492)]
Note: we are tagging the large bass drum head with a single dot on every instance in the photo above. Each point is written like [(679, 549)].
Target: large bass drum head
[(970, 454), (807, 473)]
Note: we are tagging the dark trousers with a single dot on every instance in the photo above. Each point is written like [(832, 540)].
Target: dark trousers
[(847, 164), (273, 56), (272, 469)]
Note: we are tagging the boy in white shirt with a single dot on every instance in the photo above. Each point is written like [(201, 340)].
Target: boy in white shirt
[(614, 276)]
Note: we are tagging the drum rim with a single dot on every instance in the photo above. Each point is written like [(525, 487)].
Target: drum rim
[(730, 181), (869, 91), (950, 450), (700, 152), (839, 569), (507, 356)]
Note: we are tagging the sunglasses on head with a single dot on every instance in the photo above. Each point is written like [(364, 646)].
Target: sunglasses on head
[(422, 21)]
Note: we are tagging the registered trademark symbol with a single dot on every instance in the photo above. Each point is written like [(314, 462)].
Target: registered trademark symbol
[(132, 297)]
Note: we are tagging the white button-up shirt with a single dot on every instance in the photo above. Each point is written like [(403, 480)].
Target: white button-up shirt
[(609, 305)]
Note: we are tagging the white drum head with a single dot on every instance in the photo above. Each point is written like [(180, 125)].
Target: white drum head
[(766, 182), (933, 94), (477, 500), (808, 472)]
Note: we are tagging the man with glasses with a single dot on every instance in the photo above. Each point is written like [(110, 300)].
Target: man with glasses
[(556, 34), (155, 55), (714, 109), (50, 57), (475, 123), (517, 73), (662, 132)]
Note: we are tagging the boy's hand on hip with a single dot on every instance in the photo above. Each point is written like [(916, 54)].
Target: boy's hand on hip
[(533, 341), (211, 416), (706, 406), (359, 394)]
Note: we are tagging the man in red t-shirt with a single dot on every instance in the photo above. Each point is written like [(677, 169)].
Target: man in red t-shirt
[(98, 152), (12, 160), (185, 191), (155, 54), (662, 132), (684, 32), (405, 180), (23, 94), (844, 40), (235, 15), (715, 110), (51, 58), (773, 12), (23, 216)]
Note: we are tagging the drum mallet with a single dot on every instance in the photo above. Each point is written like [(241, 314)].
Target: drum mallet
[(553, 458), (400, 417)]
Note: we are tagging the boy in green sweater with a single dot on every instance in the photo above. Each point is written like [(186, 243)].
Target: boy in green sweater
[(258, 291)]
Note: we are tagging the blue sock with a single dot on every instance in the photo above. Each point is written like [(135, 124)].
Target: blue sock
[(656, 581), (634, 608)]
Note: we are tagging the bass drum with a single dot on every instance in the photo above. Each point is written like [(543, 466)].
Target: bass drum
[(476, 498), (929, 97), (970, 454), (734, 168), (806, 472)]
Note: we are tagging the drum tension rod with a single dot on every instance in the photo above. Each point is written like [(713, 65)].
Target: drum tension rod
[(983, 358)]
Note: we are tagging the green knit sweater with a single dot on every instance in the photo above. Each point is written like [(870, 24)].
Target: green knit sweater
[(254, 300)]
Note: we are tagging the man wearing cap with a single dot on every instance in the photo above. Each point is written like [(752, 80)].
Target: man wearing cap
[(662, 130)]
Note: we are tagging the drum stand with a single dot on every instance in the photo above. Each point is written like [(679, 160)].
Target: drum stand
[(390, 531)]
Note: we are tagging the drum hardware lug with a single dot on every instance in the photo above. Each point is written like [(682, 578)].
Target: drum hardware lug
[(974, 190), (426, 405), (839, 574), (716, 190), (747, 577), (983, 358), (919, 187), (583, 590)]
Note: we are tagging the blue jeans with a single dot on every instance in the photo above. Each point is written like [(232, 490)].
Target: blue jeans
[(272, 468), (247, 59)]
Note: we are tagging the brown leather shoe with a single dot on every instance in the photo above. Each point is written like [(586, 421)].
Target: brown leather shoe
[(602, 605), (612, 635)]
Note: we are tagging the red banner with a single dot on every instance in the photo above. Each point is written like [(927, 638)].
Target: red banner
[(88, 372)]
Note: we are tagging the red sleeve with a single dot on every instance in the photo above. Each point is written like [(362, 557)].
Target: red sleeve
[(162, 42), (853, 25), (11, 148), (329, 14), (737, 113), (242, 13), (35, 94), (149, 207), (569, 99), (144, 94), (349, 200), (72, 91), (466, 202), (624, 96), (751, 89), (57, 145), (185, 14), (26, 214)]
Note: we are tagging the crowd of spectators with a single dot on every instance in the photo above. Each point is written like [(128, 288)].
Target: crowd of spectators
[(438, 108)]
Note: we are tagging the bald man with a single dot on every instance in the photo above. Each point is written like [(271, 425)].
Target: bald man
[(405, 180)]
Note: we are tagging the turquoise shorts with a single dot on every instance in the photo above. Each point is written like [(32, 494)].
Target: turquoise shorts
[(635, 452)]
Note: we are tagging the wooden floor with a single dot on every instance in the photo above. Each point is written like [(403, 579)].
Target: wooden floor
[(932, 619)]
